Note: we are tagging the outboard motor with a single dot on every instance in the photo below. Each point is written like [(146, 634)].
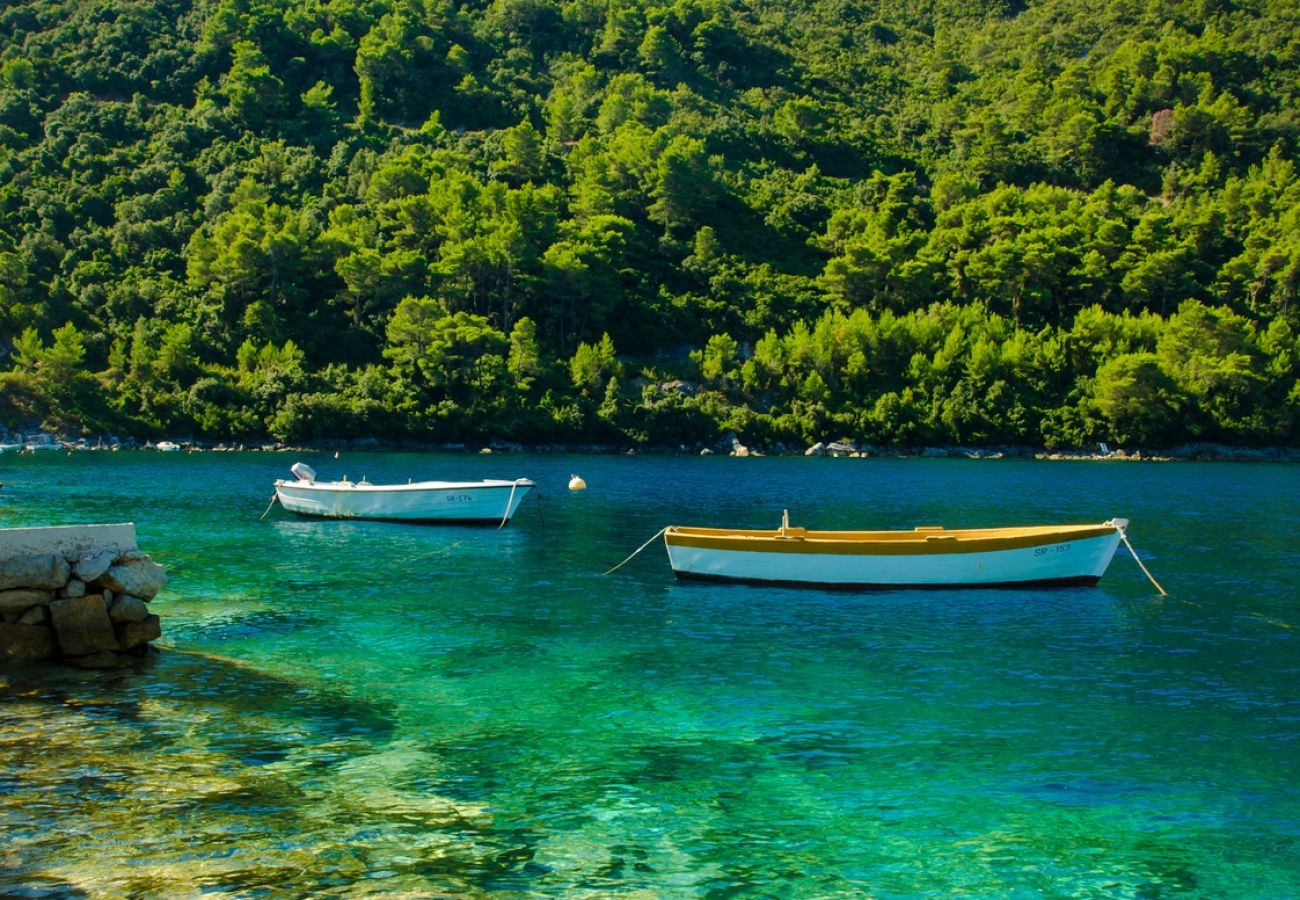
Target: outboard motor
[(303, 472)]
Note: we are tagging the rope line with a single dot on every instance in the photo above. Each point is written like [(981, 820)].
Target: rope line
[(540, 514), (509, 500), (1145, 571), (274, 497), (638, 550)]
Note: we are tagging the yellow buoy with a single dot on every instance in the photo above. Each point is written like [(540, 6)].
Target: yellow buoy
[(577, 484)]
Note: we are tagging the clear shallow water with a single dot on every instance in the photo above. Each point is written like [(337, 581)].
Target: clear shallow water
[(346, 708)]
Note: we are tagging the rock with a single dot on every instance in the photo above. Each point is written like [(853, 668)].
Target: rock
[(104, 659), (74, 588), (128, 609), (706, 452), (88, 568), (82, 625), (37, 615), (133, 634), (841, 448), (741, 450), (817, 449), (23, 598), (47, 571), (142, 578), (26, 642)]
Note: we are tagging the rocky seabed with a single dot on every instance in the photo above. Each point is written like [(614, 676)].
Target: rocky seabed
[(90, 611)]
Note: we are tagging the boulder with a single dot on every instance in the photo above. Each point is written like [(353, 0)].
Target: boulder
[(82, 625), (817, 449), (88, 568), (48, 571), (26, 642), (19, 599), (134, 634), (128, 609), (141, 578), (74, 588), (37, 615)]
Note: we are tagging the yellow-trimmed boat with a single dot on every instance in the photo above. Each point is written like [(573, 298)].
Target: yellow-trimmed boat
[(929, 556)]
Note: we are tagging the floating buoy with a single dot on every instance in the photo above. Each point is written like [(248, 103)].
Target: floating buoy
[(577, 484)]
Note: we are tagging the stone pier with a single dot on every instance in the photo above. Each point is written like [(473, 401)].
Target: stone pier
[(76, 593)]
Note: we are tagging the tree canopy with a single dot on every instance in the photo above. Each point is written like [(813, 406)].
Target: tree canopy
[(634, 221)]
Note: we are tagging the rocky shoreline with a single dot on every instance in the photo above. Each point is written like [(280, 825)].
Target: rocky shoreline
[(730, 445)]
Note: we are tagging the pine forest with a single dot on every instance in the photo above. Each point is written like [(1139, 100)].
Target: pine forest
[(641, 223)]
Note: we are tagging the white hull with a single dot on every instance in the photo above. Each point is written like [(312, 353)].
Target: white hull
[(1068, 555), (425, 501)]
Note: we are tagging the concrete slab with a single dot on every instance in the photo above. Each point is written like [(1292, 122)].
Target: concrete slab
[(68, 541)]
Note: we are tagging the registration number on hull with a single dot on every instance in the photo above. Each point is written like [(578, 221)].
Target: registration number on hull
[(1048, 551)]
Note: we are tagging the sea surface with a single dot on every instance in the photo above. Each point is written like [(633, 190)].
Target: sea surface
[(349, 708)]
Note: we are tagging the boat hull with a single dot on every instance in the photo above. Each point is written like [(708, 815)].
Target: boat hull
[(429, 501), (925, 558)]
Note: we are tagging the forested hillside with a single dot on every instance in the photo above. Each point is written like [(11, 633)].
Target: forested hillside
[(634, 222)]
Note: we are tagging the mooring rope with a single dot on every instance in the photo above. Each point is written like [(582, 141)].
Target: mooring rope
[(1145, 570), (638, 550), (506, 518), (274, 497)]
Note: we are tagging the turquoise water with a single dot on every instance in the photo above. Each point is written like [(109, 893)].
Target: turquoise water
[(354, 708)]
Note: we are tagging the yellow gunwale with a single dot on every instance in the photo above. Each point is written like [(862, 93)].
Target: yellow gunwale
[(925, 541)]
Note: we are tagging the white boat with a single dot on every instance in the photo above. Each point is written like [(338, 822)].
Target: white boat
[(485, 501), (926, 557)]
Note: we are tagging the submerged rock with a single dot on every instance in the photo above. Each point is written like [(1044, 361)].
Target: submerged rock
[(104, 659)]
